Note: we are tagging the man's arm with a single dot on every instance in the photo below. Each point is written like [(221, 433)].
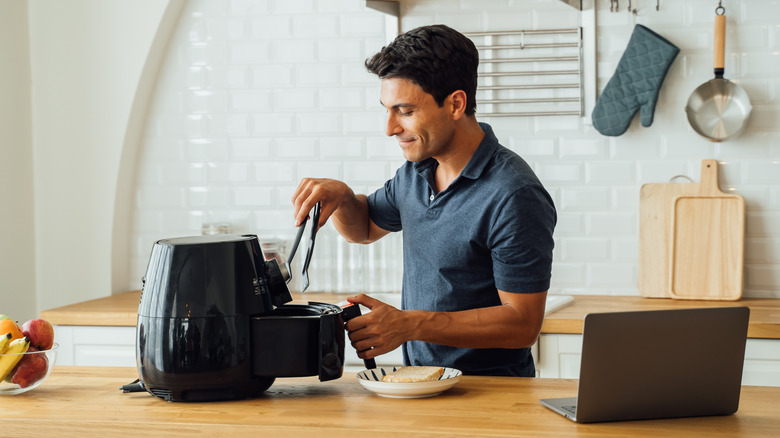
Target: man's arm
[(514, 324), (348, 211)]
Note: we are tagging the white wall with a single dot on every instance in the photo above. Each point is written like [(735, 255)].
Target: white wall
[(256, 95), (87, 61), (17, 243)]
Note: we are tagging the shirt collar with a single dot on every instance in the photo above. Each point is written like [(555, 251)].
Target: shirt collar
[(482, 155)]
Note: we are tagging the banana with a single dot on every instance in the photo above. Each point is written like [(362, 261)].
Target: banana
[(13, 355), (5, 340)]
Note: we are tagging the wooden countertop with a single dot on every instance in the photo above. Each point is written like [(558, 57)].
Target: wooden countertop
[(86, 402), (122, 310)]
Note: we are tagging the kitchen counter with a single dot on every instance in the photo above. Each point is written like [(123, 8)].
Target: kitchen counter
[(85, 402), (121, 310)]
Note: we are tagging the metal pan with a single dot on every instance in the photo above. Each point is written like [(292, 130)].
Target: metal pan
[(718, 109)]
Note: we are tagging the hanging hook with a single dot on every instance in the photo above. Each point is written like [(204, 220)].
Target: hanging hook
[(720, 10)]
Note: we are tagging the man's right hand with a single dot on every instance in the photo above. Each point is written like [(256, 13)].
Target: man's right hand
[(330, 193), (349, 211)]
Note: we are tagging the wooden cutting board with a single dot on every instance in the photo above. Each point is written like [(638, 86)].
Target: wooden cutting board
[(655, 213), (707, 241)]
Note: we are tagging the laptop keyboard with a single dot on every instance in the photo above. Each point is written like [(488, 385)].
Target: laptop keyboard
[(570, 409)]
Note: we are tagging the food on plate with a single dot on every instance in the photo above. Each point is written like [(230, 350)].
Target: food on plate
[(12, 356), (414, 374), (40, 333), (9, 326)]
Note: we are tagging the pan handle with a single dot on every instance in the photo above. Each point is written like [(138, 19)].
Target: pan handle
[(720, 43)]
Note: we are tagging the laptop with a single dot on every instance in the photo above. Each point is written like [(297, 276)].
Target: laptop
[(658, 364)]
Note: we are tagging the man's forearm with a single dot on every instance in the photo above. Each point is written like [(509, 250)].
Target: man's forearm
[(351, 219), (489, 327)]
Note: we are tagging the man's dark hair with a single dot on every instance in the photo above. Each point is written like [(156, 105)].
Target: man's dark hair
[(438, 58)]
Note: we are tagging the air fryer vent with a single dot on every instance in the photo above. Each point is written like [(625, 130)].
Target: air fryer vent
[(164, 394)]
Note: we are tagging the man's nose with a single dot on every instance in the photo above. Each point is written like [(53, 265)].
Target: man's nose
[(392, 128)]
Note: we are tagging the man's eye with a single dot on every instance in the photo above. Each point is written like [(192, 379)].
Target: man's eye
[(405, 114)]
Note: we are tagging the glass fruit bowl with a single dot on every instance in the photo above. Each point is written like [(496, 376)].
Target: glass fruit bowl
[(31, 369)]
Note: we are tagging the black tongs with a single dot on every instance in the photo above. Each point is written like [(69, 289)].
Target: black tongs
[(315, 220)]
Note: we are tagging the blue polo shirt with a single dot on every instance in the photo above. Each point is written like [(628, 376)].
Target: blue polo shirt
[(492, 228)]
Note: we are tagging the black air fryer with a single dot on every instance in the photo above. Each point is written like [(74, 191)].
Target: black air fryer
[(213, 323)]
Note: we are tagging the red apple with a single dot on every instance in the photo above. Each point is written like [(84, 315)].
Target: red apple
[(30, 369), (40, 333)]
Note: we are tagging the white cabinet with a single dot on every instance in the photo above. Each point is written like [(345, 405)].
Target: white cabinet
[(762, 362), (95, 345), (559, 357)]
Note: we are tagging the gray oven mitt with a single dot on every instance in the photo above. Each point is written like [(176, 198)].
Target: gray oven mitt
[(635, 84)]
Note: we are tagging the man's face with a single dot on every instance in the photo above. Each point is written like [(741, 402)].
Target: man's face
[(422, 128)]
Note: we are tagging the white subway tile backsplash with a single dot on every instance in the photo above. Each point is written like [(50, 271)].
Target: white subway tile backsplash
[(385, 149), (272, 172), (762, 172), (625, 249), (205, 102), (317, 74), (273, 124), (248, 101), (208, 197), (570, 224), (762, 277), (584, 148), (626, 198), (320, 169), (568, 276), (221, 125), (179, 221), (228, 173), (288, 51), (339, 50), (271, 27), (585, 199), (345, 148), (296, 148), (360, 25), (319, 123), (250, 148), (585, 250), (762, 250), (619, 277), (255, 95), (315, 26), (247, 7), (272, 75), (762, 223), (255, 197), (331, 99), (176, 173), (292, 7), (612, 224), (610, 172), (560, 173), (249, 53), (369, 122), (364, 171)]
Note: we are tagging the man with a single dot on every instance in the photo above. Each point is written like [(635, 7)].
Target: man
[(477, 223)]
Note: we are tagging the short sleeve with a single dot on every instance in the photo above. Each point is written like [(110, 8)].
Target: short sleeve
[(521, 241), (383, 208)]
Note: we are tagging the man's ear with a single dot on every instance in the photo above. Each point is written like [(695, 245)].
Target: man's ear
[(457, 101)]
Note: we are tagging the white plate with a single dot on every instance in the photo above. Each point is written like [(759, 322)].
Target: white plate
[(372, 380)]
